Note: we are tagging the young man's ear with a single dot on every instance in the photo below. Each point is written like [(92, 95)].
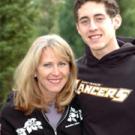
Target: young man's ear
[(117, 20), (77, 28)]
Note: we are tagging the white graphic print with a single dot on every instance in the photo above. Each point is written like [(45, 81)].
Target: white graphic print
[(29, 126), (74, 115), (21, 131), (96, 89)]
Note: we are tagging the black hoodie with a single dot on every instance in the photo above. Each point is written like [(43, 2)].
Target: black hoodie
[(106, 89)]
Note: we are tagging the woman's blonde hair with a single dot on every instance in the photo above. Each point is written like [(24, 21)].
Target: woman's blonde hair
[(28, 96)]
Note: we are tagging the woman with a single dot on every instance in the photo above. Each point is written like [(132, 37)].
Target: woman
[(44, 84)]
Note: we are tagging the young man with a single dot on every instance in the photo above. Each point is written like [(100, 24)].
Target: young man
[(106, 73)]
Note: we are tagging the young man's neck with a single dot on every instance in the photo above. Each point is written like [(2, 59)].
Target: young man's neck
[(104, 51)]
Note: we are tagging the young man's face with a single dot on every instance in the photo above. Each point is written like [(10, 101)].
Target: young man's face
[(96, 27)]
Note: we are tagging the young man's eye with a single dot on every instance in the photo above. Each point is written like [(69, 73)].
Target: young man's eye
[(99, 19), (84, 21)]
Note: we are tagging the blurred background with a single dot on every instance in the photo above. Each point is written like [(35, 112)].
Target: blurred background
[(21, 21)]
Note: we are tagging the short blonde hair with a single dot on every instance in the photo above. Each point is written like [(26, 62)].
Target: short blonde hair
[(28, 96)]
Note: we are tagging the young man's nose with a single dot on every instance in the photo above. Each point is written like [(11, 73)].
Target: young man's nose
[(92, 25)]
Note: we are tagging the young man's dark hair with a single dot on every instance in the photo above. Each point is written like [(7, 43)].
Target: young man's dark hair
[(112, 7)]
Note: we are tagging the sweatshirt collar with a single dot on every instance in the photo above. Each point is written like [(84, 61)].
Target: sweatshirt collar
[(126, 49)]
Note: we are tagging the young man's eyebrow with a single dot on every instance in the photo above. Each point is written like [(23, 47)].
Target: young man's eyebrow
[(99, 15), (84, 17)]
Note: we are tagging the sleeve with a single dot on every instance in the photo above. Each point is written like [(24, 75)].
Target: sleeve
[(5, 127)]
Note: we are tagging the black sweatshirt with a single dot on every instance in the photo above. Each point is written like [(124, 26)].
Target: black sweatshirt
[(15, 122), (106, 91)]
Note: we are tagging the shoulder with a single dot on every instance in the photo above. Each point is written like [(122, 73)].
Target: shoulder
[(81, 59), (9, 113), (7, 108), (8, 118)]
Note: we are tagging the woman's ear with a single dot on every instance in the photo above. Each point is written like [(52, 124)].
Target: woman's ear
[(117, 20)]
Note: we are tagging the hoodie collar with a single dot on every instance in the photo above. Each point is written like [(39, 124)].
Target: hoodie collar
[(126, 49)]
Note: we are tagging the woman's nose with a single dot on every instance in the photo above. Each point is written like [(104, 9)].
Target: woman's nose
[(56, 70)]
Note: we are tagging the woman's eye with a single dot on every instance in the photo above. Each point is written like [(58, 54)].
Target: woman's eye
[(63, 63), (47, 65)]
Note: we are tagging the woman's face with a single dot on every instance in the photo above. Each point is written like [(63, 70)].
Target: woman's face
[(52, 72)]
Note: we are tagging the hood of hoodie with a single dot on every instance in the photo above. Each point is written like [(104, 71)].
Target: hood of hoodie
[(127, 48)]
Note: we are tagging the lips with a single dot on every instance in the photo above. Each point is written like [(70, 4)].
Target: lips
[(55, 81), (95, 37)]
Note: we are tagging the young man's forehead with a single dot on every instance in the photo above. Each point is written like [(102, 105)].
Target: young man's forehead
[(91, 4), (93, 9)]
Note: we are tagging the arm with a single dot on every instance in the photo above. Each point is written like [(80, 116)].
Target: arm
[(6, 127), (6, 120)]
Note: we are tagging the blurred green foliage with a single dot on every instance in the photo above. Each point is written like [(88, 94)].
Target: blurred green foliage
[(21, 21), (127, 13), (16, 32), (68, 29)]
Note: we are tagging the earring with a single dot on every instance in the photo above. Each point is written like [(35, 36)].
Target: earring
[(35, 75)]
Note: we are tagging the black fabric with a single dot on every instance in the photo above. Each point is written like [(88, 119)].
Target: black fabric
[(106, 91), (37, 124)]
